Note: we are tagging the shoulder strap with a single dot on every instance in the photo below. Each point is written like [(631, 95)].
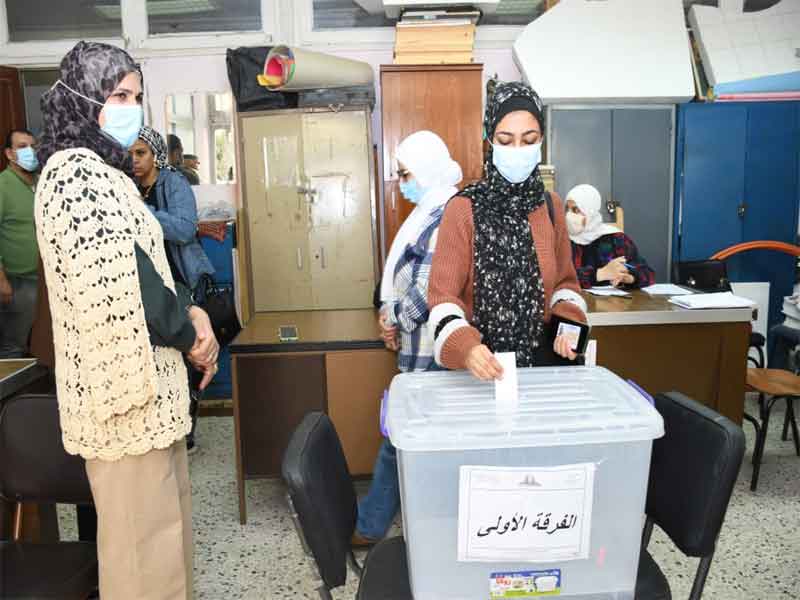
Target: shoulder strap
[(549, 200)]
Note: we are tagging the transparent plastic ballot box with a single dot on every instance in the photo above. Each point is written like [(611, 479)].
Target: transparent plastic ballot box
[(520, 498)]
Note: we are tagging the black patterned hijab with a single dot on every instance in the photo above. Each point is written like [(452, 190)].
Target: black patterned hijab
[(157, 146), (89, 70), (508, 294)]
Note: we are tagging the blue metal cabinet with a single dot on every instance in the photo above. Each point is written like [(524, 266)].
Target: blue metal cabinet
[(737, 168)]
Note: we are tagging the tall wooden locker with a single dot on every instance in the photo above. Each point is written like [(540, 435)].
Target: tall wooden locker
[(308, 193), (445, 99), (738, 180)]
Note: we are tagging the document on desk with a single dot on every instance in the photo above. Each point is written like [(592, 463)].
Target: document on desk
[(666, 289), (506, 390), (715, 300), (525, 514), (607, 291)]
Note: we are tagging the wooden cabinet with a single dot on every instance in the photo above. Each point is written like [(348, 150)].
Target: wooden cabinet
[(445, 99)]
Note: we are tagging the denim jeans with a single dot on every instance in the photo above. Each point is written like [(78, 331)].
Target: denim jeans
[(377, 509), (16, 318)]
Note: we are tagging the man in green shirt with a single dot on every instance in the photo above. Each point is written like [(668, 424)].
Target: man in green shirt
[(19, 252)]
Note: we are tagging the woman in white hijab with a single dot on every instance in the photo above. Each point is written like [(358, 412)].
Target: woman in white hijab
[(428, 177), (602, 253)]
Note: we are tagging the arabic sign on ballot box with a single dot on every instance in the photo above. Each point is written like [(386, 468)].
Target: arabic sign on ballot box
[(523, 514)]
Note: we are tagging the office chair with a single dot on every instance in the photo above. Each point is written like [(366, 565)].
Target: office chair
[(34, 467), (712, 276), (692, 473), (323, 504)]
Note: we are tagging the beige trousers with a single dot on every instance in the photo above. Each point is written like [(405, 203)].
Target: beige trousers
[(144, 525)]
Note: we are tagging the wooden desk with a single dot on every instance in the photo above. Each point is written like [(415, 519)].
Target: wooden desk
[(338, 365), (19, 376), (662, 347)]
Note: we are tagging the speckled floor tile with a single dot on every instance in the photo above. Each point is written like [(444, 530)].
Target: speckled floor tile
[(758, 554)]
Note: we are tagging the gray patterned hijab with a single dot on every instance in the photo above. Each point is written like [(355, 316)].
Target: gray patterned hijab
[(70, 121), (508, 290), (157, 145)]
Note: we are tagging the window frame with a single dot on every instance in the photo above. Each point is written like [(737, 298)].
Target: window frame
[(136, 38), (382, 38)]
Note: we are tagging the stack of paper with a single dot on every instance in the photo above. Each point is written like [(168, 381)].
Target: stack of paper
[(607, 291), (435, 37), (718, 300), (666, 289)]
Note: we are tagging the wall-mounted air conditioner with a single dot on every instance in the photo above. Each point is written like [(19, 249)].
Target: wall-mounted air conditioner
[(392, 8)]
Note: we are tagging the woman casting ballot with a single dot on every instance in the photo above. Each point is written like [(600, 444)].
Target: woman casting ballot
[(502, 266)]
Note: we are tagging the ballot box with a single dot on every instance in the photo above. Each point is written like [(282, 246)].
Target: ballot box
[(536, 489)]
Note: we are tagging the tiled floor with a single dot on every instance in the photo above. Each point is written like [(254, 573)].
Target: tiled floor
[(758, 556)]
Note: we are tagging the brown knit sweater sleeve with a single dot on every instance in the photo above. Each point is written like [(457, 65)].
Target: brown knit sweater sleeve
[(450, 287)]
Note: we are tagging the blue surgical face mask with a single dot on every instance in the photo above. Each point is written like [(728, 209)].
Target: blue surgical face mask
[(516, 164), (123, 123), (412, 191), (26, 158)]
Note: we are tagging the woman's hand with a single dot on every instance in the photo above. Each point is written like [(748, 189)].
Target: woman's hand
[(388, 333), (614, 272), (563, 347), (205, 351), (483, 364)]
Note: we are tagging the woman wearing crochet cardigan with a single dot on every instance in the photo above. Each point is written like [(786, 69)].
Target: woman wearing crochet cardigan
[(120, 326)]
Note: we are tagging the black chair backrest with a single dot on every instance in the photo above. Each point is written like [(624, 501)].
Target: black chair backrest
[(692, 472), (703, 275), (322, 492), (34, 467)]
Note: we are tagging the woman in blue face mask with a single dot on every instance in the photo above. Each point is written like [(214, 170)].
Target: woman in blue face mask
[(120, 327), (428, 177), (503, 265)]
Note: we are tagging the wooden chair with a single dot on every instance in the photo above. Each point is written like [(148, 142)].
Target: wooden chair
[(772, 385)]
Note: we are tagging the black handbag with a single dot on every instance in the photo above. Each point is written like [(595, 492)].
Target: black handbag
[(702, 275), (219, 303)]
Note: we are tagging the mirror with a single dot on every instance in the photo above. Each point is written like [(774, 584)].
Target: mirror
[(203, 125)]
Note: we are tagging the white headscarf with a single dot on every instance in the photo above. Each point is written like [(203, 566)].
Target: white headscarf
[(588, 199), (427, 158)]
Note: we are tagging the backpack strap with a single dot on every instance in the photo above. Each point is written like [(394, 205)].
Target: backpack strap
[(550, 211)]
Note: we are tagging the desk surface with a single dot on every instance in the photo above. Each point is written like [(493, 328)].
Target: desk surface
[(15, 374), (327, 330), (321, 331), (643, 309)]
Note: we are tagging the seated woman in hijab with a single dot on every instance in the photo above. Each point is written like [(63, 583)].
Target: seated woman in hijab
[(428, 177), (602, 253), (503, 265)]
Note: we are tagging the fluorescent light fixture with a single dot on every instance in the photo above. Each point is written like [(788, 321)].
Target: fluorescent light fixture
[(518, 7), (161, 8)]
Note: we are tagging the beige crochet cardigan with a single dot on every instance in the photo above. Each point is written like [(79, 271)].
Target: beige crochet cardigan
[(118, 395)]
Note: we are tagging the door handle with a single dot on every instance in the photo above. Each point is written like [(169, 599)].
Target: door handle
[(322, 257), (741, 210), (299, 259), (394, 200)]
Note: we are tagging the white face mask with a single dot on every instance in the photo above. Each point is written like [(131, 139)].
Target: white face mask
[(576, 223)]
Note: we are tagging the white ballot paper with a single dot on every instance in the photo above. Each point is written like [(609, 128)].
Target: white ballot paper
[(520, 514), (506, 390)]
